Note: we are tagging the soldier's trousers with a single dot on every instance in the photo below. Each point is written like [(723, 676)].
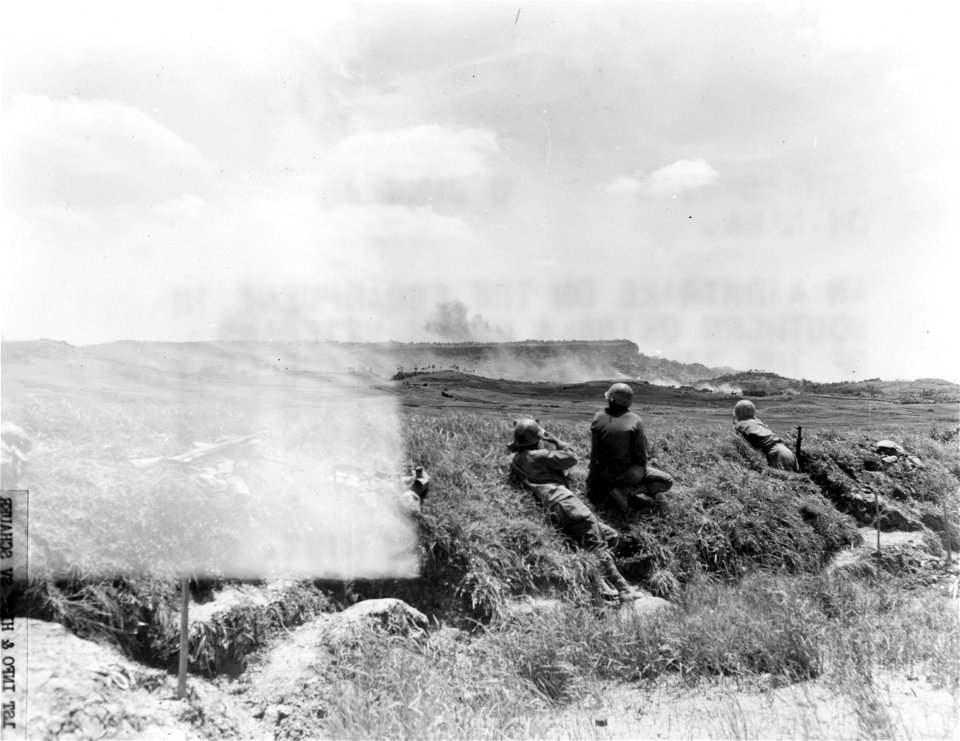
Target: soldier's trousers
[(780, 456)]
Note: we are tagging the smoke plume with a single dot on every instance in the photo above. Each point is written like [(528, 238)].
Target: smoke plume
[(450, 322)]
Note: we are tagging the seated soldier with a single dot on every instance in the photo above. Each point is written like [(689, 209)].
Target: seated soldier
[(618, 456), (542, 470), (762, 438)]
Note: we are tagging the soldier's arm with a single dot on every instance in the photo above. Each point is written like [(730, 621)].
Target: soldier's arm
[(560, 444), (563, 457)]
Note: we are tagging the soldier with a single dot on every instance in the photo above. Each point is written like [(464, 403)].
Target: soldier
[(761, 437), (542, 470), (15, 446), (618, 456)]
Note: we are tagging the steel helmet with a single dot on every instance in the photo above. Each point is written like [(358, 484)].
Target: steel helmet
[(620, 393), (744, 410), (526, 434)]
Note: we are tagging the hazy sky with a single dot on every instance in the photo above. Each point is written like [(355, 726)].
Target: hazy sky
[(759, 185)]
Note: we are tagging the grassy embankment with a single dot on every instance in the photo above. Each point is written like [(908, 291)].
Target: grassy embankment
[(738, 551)]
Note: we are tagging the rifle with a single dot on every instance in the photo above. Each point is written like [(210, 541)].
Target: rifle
[(799, 442), (201, 450)]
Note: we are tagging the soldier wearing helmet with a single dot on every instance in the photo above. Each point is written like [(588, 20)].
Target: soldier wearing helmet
[(761, 437), (618, 456), (543, 471), (15, 444)]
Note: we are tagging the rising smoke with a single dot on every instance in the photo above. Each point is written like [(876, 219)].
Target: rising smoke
[(718, 388), (721, 388), (450, 322)]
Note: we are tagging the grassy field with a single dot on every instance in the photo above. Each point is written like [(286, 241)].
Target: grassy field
[(740, 551)]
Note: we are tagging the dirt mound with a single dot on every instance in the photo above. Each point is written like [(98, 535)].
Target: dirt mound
[(914, 557), (80, 689), (285, 685), (885, 484)]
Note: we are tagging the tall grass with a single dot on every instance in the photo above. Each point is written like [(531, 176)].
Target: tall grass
[(503, 682), (739, 550), (726, 515)]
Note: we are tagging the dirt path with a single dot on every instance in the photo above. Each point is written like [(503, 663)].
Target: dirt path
[(77, 688), (900, 708), (284, 674)]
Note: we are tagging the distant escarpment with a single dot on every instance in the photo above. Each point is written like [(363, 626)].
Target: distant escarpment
[(540, 360)]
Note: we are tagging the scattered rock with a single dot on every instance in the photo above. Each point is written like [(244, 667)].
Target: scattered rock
[(895, 458), (235, 595), (857, 497), (389, 612), (644, 606), (889, 448), (275, 713), (530, 606), (637, 609)]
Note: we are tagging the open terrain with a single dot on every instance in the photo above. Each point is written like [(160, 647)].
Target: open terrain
[(785, 621)]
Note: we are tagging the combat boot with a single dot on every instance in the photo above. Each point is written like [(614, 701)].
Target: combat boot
[(620, 496), (626, 592), (630, 594), (608, 592)]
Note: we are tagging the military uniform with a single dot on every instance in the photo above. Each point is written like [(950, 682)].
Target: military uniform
[(543, 471), (762, 438), (618, 456)]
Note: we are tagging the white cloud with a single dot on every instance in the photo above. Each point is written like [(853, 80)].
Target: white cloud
[(363, 164), (374, 142), (670, 180), (100, 154), (623, 185), (681, 176)]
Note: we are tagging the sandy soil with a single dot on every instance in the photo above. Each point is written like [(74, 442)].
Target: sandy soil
[(906, 709), (79, 689)]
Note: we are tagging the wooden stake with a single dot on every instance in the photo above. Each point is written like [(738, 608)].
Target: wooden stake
[(876, 513), (184, 637), (947, 534), (799, 443)]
